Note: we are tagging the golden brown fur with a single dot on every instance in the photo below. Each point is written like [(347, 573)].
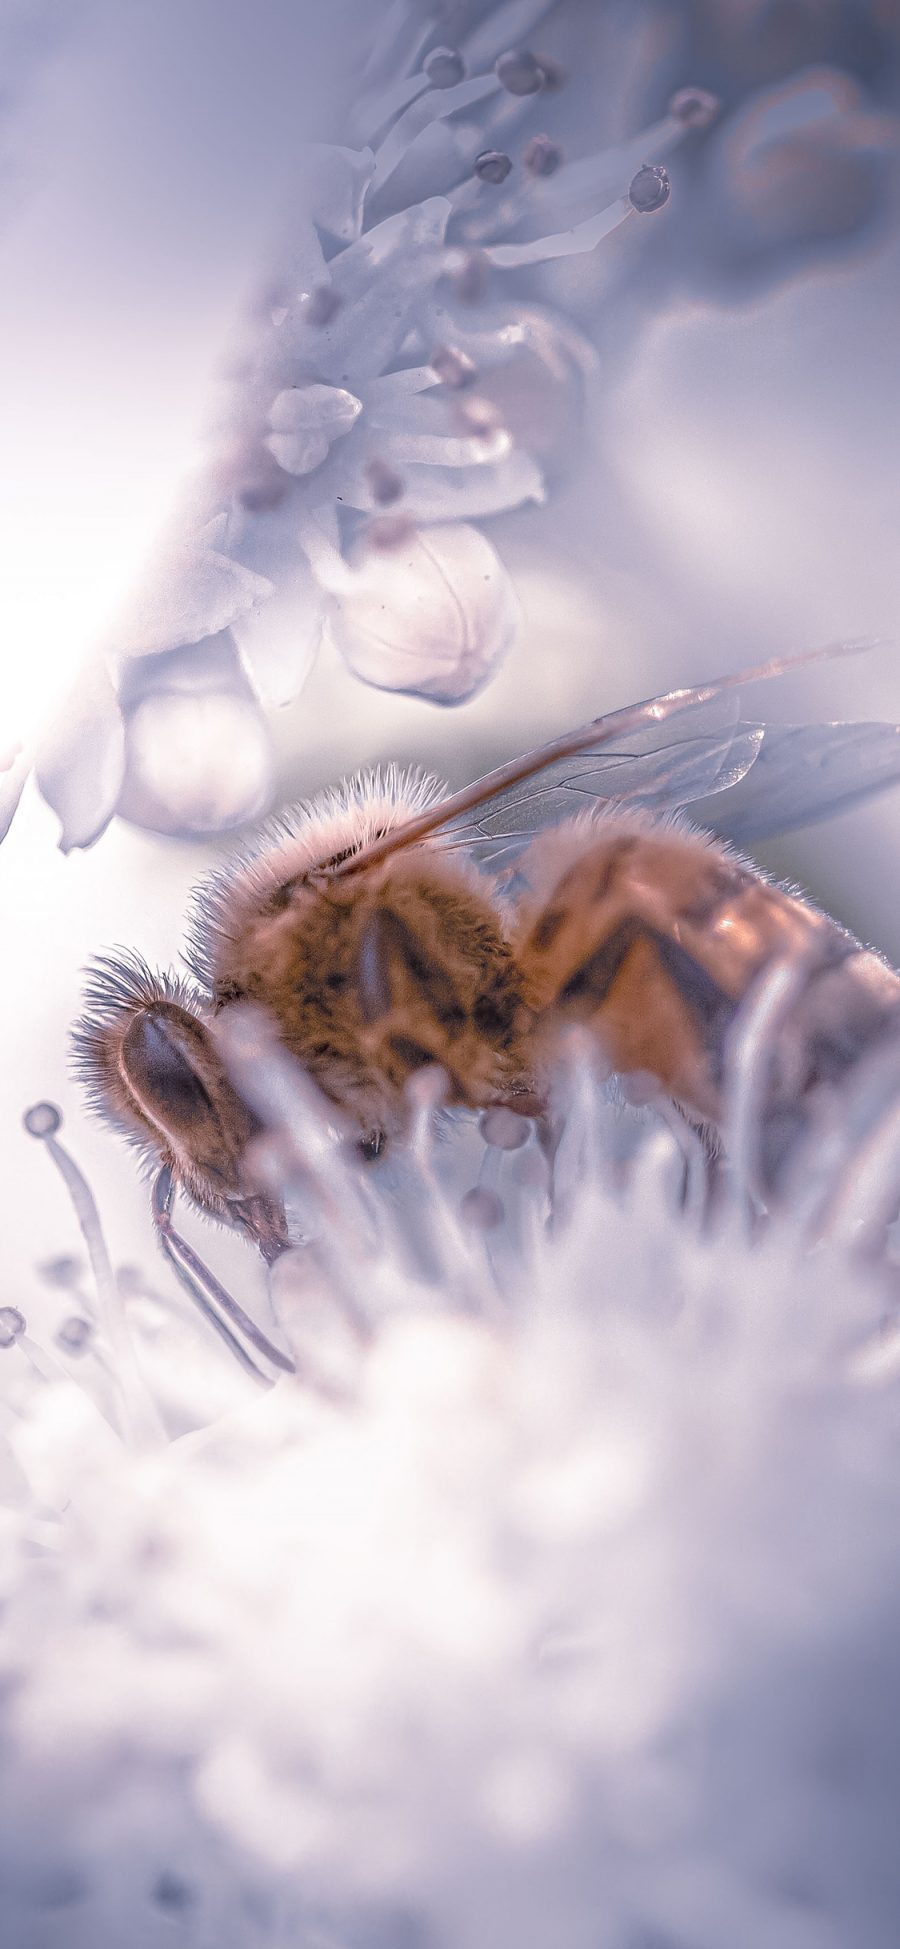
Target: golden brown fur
[(368, 983), (649, 932)]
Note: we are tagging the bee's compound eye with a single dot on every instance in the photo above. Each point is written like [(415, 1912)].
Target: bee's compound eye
[(159, 1068)]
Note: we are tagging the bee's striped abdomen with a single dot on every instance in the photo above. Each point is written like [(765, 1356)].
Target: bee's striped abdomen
[(655, 938)]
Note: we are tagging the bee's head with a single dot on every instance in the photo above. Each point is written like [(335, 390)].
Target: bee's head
[(145, 1051)]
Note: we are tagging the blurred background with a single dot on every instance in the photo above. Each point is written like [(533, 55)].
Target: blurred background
[(723, 487)]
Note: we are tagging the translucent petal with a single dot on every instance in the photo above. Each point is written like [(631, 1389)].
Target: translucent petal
[(278, 644), (396, 50), (381, 282), (394, 388), (447, 450), (557, 343), (194, 593), (335, 181), (81, 760), (306, 421), (441, 156), (462, 494), (12, 781)]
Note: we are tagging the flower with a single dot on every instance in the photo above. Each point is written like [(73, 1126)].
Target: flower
[(561, 1577), (366, 381)]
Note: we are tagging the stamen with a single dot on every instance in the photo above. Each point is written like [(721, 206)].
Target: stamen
[(140, 1422), (749, 1063)]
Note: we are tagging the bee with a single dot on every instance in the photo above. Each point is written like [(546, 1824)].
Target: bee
[(386, 927)]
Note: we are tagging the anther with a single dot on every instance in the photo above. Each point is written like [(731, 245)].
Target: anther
[(74, 1334), (695, 107), (444, 67), (649, 189), (453, 368), (519, 72), (389, 531), (542, 156), (385, 483), (42, 1120), (481, 1209), (503, 1129), (12, 1325), (492, 166)]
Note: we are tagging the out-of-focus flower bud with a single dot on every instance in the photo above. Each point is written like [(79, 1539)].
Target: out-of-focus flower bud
[(803, 169), (434, 615), (695, 107), (306, 421), (195, 762)]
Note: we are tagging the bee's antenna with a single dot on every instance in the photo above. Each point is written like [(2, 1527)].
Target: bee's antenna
[(208, 1293)]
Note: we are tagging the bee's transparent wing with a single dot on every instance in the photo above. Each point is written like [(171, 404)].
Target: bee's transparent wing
[(802, 773), (683, 748), (702, 752)]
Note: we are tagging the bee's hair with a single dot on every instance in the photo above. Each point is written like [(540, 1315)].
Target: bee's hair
[(334, 824), (119, 987)]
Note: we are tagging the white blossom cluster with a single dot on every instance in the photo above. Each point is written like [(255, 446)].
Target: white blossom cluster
[(555, 1600), (361, 440)]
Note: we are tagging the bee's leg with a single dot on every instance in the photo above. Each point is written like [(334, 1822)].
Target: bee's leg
[(208, 1293)]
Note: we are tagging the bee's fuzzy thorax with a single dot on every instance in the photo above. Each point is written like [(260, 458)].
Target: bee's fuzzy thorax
[(338, 821)]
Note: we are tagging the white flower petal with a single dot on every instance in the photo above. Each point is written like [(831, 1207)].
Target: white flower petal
[(12, 782), (193, 593), (278, 644), (306, 421), (393, 389), (81, 760), (335, 181), (460, 493), (381, 282), (440, 450)]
